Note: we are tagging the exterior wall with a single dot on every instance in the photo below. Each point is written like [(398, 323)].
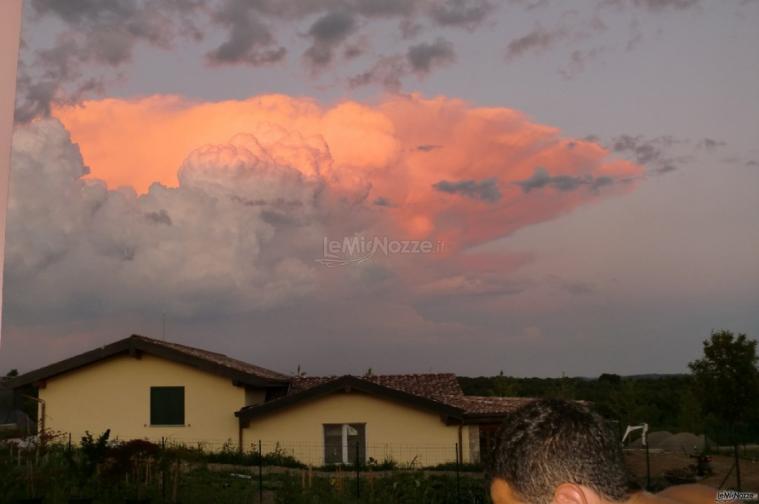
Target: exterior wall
[(115, 394), (393, 430)]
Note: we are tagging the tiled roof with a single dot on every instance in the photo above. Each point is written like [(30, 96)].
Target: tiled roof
[(441, 387), (315, 388), (213, 362), (487, 406), (432, 386), (217, 358)]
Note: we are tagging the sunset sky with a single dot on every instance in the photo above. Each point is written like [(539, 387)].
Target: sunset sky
[(590, 171)]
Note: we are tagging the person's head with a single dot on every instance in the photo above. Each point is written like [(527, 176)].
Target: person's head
[(557, 452)]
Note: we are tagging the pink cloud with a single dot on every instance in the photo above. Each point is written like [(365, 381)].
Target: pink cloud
[(435, 168)]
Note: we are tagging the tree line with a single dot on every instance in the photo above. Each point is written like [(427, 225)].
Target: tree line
[(719, 397)]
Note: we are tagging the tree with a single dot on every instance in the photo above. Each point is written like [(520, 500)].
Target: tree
[(726, 381), (609, 379)]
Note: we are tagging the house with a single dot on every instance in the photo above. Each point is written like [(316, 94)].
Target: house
[(142, 388)]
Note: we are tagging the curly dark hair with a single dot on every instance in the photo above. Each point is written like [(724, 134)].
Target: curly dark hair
[(549, 442)]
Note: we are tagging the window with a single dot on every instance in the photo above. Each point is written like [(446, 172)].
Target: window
[(344, 442), (166, 405)]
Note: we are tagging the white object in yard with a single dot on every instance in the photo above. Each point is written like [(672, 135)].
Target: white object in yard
[(632, 428)]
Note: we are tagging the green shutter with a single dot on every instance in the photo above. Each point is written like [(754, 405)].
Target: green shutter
[(166, 405)]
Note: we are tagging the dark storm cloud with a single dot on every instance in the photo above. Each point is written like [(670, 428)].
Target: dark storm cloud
[(575, 287), (249, 39), (159, 217), (484, 190), (541, 179), (421, 59), (538, 39), (665, 168), (711, 144), (328, 32), (383, 202), (385, 8), (462, 13), (386, 71), (425, 56), (656, 153), (665, 4), (97, 37), (34, 97), (427, 147), (644, 150), (578, 62), (94, 33), (409, 28), (112, 28)]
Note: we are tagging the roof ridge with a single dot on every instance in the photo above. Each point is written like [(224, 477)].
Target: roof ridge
[(209, 361), (374, 375), (174, 344), (181, 346)]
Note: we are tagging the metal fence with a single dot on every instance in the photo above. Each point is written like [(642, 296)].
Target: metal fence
[(191, 470), (374, 455)]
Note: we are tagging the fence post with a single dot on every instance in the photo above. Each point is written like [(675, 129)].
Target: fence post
[(737, 466), (358, 472), (458, 475), (260, 473), (648, 468)]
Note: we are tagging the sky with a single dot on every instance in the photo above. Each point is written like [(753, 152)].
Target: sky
[(537, 187)]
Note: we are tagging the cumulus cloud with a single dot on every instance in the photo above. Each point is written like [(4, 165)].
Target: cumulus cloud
[(364, 153), (227, 213), (206, 244), (485, 190)]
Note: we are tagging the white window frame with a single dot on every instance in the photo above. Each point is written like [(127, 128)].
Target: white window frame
[(345, 430)]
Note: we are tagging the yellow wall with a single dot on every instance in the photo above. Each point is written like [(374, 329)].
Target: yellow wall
[(115, 393), (393, 430)]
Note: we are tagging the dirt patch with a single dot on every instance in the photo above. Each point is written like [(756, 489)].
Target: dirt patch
[(663, 462)]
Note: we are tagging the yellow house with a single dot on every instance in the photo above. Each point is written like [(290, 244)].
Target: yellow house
[(142, 388)]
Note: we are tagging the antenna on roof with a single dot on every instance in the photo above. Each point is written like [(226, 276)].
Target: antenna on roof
[(163, 326)]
